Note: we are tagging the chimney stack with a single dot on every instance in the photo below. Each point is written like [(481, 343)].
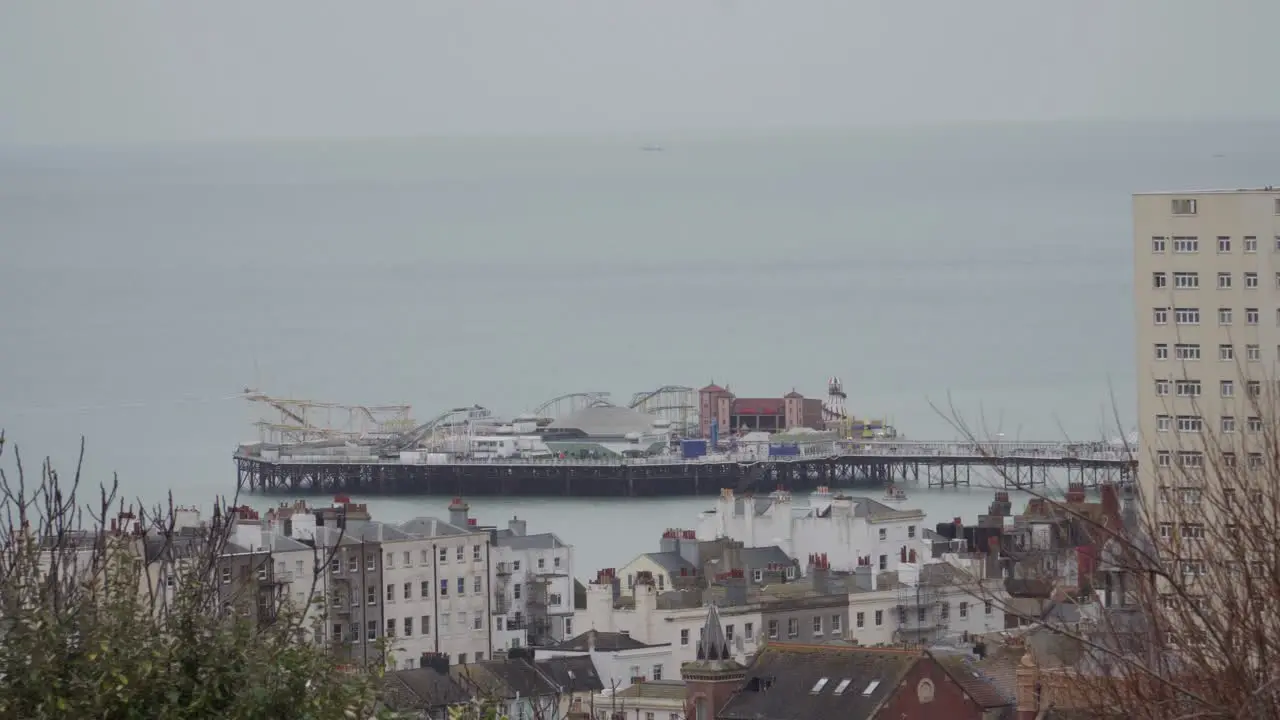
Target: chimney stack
[(458, 513)]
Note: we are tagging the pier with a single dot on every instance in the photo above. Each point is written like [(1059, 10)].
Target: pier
[(852, 464)]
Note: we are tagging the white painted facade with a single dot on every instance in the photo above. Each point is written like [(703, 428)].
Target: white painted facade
[(679, 627), (408, 599), (842, 527), (643, 563), (462, 595), (874, 614), (519, 561), (293, 565)]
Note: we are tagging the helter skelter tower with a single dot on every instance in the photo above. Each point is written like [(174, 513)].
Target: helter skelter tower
[(835, 399)]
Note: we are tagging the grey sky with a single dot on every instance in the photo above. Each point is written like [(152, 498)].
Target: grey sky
[(126, 70)]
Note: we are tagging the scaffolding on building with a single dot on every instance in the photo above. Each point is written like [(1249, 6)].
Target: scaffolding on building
[(923, 614)]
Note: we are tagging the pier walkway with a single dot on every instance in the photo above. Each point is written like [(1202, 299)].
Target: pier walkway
[(1010, 464)]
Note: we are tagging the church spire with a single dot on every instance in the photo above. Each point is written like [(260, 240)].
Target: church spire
[(714, 645)]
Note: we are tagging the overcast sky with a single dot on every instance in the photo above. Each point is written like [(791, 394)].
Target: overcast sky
[(160, 70)]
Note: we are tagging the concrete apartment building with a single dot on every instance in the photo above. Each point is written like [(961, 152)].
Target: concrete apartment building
[(1207, 317)]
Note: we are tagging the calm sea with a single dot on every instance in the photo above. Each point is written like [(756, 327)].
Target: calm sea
[(985, 267)]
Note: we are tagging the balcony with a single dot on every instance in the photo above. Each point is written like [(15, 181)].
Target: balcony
[(279, 578), (504, 568)]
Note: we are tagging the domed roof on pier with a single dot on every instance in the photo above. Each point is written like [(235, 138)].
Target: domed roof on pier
[(606, 420)]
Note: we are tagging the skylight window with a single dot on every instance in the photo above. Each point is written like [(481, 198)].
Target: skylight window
[(817, 688), (871, 688), (844, 685)]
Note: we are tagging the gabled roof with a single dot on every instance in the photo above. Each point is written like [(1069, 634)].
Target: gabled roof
[(421, 689), (783, 682), (604, 642), (572, 673), (672, 562), (503, 679)]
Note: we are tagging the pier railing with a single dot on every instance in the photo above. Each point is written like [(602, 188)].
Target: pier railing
[(901, 450)]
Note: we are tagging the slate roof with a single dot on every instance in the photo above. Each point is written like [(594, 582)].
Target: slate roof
[(605, 641), (503, 679), (539, 541), (779, 684), (672, 562), (421, 689), (572, 673), (760, 557), (982, 689), (374, 531), (431, 527)]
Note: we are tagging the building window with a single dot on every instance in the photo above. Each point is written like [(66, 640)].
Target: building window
[(1228, 424), (515, 590), (817, 624), (1255, 388), (1251, 316), (1162, 387), (1254, 424), (426, 624), (1163, 458), (475, 584), (1228, 388), (1187, 388), (424, 556), (884, 534), (684, 636), (879, 618), (1186, 316), (860, 620), (226, 576), (657, 675), (391, 593), (556, 561), (748, 630), (1184, 206), (391, 627), (728, 632), (476, 622), (1251, 280), (1226, 352), (793, 627), (1253, 353), (424, 589), (1251, 244), (554, 599), (372, 595), (515, 565), (1186, 280), (986, 607), (408, 591), (353, 565), (884, 562), (475, 553), (836, 623), (371, 562), (911, 531), (444, 555), (964, 609), (757, 576), (1158, 244), (444, 587), (1186, 351), (1190, 424), (1159, 316), (773, 629), (408, 627), (391, 560), (1224, 244), (335, 566), (1224, 316), (1163, 423), (1186, 245), (1159, 280), (460, 552), (1224, 281), (1191, 459)]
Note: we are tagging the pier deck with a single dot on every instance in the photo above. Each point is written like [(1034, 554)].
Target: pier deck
[(1009, 464)]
